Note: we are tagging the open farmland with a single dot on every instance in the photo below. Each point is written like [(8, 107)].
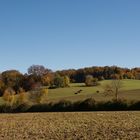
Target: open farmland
[(71, 126)]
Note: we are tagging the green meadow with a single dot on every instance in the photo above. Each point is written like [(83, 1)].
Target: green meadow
[(130, 90)]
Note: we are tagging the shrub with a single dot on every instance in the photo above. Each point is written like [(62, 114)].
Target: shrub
[(38, 95), (90, 81), (21, 97), (9, 96), (134, 105), (62, 106), (86, 105)]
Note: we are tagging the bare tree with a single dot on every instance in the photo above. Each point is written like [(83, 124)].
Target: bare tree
[(38, 70), (116, 86), (113, 88)]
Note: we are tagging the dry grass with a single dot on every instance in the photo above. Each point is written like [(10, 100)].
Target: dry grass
[(71, 126)]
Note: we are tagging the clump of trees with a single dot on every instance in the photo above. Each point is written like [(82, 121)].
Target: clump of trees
[(60, 81), (39, 75), (101, 73), (90, 81), (22, 100)]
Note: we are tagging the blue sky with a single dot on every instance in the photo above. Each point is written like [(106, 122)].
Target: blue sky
[(62, 34)]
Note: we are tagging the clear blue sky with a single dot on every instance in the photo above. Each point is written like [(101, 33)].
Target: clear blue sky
[(62, 34)]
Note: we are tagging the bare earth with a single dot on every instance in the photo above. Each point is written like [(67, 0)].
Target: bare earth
[(71, 126)]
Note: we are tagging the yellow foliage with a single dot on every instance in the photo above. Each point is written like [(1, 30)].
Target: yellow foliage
[(38, 95), (22, 97), (9, 96), (44, 91)]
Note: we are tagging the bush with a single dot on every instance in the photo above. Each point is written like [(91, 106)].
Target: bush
[(114, 105), (38, 95), (9, 97), (40, 108), (90, 81), (62, 106), (134, 105), (87, 105)]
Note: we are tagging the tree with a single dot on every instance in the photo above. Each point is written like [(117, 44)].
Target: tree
[(22, 96), (58, 81), (66, 81), (116, 85), (36, 70), (38, 95), (90, 81), (29, 81), (9, 96), (47, 79), (2, 87), (113, 88), (13, 79)]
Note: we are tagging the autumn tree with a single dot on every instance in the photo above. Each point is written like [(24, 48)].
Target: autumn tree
[(9, 96), (38, 95), (29, 81), (13, 79), (66, 81), (2, 87), (47, 78), (22, 96)]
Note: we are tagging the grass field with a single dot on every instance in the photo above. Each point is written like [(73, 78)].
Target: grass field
[(71, 126), (130, 90)]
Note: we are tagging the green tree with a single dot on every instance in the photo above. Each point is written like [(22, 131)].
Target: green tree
[(66, 81), (58, 81)]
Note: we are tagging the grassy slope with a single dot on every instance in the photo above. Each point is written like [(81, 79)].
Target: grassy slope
[(66, 126), (130, 90)]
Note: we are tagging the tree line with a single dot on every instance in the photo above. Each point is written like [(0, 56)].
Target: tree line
[(101, 73), (38, 76)]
